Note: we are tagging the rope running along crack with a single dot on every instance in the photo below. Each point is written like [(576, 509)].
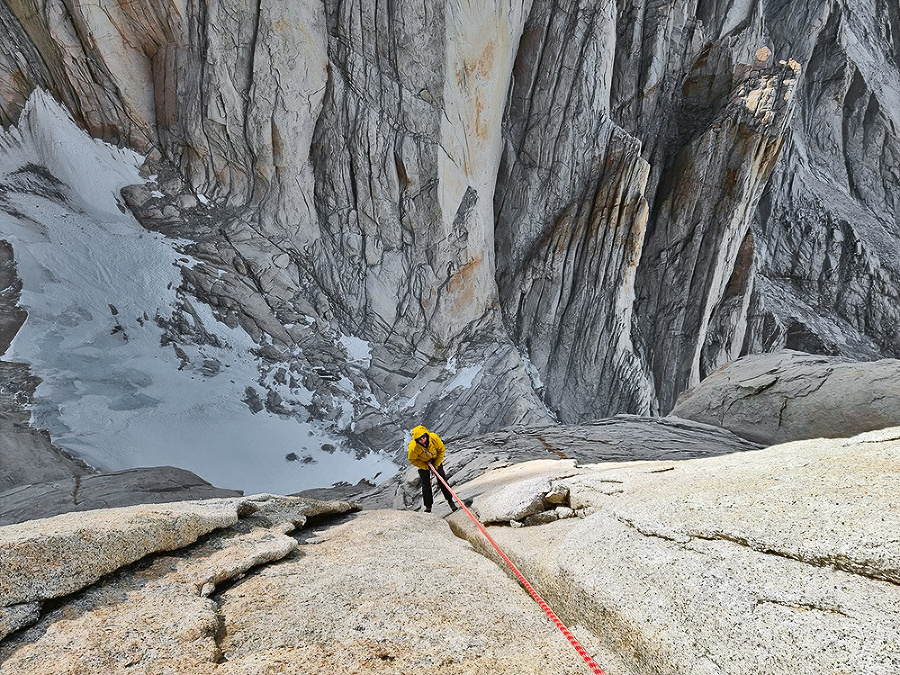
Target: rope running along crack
[(528, 587)]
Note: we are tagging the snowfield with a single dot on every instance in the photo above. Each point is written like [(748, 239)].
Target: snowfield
[(94, 282)]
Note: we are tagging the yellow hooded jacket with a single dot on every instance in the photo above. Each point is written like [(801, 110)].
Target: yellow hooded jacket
[(420, 456)]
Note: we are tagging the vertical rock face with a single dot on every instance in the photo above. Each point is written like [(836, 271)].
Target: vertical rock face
[(571, 306), (712, 106), (827, 226), (571, 214), (216, 88), (700, 84), (334, 169), (406, 155), (630, 193), (703, 211)]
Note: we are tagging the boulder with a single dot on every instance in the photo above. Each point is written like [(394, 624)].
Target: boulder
[(53, 557), (788, 395), (558, 494), (49, 558), (541, 518), (523, 495)]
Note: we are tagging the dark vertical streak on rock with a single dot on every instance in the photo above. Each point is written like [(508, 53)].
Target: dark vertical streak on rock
[(248, 97)]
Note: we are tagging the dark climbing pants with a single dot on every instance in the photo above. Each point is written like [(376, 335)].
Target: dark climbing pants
[(425, 478)]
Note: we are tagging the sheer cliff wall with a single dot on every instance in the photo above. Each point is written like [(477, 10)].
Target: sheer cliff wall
[(629, 194)]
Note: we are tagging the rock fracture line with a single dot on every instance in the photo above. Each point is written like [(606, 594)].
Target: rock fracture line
[(528, 587)]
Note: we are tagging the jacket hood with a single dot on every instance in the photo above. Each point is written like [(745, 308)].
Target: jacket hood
[(418, 431)]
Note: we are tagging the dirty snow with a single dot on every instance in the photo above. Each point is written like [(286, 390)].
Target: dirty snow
[(358, 350), (93, 282), (464, 378), (533, 373)]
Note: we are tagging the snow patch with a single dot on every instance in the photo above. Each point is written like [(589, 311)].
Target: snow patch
[(358, 351), (94, 171), (464, 378), (94, 285), (411, 402), (533, 374)]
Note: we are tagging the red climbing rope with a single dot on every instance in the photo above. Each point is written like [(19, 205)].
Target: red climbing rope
[(528, 587)]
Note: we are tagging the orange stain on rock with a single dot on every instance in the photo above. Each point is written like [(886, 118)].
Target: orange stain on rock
[(482, 66), (462, 284), (481, 127)]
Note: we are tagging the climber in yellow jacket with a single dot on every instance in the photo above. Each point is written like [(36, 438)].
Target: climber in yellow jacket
[(427, 447)]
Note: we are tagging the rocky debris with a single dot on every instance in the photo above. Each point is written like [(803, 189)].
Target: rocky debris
[(487, 389), (548, 516), (105, 490), (51, 558), (787, 395), (621, 438), (532, 493), (523, 494), (519, 500), (766, 559), (557, 494)]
